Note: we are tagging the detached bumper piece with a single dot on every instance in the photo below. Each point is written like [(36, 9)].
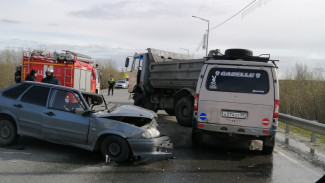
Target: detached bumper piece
[(156, 146)]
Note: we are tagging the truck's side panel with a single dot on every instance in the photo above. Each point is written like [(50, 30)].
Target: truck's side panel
[(175, 74)]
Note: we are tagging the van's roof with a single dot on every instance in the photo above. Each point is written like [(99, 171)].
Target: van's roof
[(239, 62)]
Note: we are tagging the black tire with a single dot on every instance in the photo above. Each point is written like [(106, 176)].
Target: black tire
[(170, 112), (268, 146), (236, 52), (197, 137), (116, 148), (184, 111), (138, 100), (8, 131)]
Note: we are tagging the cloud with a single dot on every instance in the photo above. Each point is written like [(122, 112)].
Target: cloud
[(137, 9), (7, 21)]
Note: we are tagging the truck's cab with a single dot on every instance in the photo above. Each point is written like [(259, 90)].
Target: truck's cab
[(237, 94)]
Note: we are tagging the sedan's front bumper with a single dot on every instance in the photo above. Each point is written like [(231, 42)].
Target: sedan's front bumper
[(156, 146)]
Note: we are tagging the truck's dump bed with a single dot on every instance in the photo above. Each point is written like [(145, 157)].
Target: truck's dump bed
[(176, 73)]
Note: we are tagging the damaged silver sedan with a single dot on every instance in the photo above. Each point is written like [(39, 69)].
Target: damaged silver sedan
[(80, 119)]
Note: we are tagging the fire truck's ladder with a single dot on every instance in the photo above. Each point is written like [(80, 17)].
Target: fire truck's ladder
[(67, 77)]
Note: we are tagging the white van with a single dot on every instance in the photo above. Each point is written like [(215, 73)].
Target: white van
[(237, 95)]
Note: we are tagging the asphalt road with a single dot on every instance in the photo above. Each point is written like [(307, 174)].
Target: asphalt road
[(32, 160)]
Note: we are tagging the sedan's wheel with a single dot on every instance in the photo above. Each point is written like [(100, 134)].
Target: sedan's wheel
[(8, 132), (116, 148)]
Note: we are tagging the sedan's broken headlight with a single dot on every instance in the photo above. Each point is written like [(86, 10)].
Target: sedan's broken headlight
[(150, 133)]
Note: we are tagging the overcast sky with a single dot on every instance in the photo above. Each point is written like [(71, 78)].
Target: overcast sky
[(290, 30)]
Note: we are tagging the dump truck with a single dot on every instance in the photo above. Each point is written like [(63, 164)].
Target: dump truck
[(165, 80)]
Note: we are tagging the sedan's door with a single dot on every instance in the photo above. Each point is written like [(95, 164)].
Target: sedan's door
[(29, 110), (61, 122)]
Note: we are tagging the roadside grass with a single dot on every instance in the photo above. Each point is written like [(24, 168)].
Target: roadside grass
[(305, 133)]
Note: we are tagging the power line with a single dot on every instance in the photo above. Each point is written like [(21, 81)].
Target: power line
[(233, 15), (201, 42)]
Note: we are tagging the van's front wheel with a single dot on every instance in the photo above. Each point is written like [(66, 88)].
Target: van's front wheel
[(184, 111)]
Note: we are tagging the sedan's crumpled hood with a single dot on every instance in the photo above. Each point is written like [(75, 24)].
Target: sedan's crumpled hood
[(130, 111)]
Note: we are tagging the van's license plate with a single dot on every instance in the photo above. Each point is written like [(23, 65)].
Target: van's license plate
[(232, 114)]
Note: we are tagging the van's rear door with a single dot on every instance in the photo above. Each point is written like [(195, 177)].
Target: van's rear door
[(233, 95)]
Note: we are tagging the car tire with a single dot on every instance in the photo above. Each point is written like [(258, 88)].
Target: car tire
[(197, 137), (268, 146), (117, 149), (184, 111), (8, 131), (170, 112)]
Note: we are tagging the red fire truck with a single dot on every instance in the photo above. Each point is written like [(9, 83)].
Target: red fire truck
[(72, 69)]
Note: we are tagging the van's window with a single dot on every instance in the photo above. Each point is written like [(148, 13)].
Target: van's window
[(238, 80)]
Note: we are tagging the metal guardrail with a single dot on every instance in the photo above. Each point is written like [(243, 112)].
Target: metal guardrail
[(313, 126)]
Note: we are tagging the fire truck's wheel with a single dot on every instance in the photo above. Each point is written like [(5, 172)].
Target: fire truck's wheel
[(8, 131), (268, 145), (170, 112), (184, 111), (116, 148)]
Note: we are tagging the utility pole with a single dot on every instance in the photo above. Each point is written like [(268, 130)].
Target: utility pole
[(206, 51)]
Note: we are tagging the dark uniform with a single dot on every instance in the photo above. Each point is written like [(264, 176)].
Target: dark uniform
[(31, 76), (18, 76), (51, 80)]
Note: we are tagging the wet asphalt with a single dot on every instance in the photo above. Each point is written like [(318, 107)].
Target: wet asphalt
[(32, 160)]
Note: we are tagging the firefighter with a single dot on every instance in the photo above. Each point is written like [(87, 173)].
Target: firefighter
[(50, 78), (111, 84), (31, 76), (18, 74)]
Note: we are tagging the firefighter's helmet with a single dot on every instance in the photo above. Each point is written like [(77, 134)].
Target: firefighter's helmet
[(49, 70)]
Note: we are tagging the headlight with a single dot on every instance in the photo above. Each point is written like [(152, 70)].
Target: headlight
[(150, 133), (146, 134)]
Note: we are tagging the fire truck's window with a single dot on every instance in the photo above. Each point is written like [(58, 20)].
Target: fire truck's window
[(238, 80), (66, 101), (36, 95), (16, 91)]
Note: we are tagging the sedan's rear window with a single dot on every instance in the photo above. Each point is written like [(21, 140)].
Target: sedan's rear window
[(16, 91), (238, 80), (36, 95)]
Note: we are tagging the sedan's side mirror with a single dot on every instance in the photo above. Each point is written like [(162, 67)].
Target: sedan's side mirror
[(127, 61)]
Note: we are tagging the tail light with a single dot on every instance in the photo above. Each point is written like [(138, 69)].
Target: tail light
[(276, 109), (196, 102)]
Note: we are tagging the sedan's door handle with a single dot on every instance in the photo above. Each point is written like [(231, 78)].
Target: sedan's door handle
[(50, 113), (18, 106)]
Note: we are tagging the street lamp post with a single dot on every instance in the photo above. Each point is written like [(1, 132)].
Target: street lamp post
[(188, 52), (206, 52)]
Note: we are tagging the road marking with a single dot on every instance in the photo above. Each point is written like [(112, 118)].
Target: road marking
[(297, 162)]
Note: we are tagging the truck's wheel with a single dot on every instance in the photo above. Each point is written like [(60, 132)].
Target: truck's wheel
[(8, 131), (139, 100), (116, 148), (170, 112), (268, 146), (184, 111)]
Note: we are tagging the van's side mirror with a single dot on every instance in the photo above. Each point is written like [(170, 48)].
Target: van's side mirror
[(127, 61)]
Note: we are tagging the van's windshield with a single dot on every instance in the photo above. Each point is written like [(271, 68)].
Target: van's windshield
[(238, 80)]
